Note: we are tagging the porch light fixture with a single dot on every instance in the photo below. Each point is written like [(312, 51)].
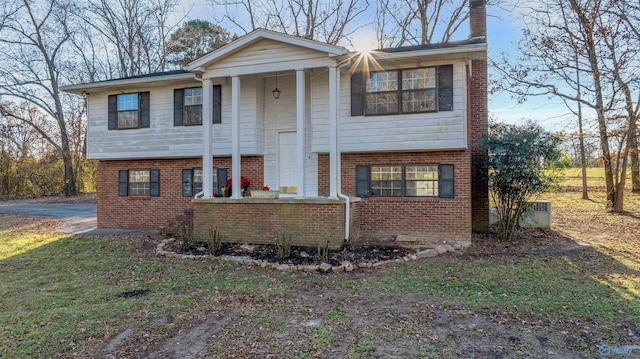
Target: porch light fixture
[(276, 93)]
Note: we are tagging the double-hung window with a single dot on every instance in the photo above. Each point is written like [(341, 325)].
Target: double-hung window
[(382, 93), (139, 183), (426, 89), (192, 179), (405, 181), (187, 106), (193, 106), (129, 110)]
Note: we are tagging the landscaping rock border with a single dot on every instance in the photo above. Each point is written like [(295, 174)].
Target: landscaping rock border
[(438, 249)]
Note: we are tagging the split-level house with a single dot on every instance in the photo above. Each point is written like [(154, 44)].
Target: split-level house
[(371, 145)]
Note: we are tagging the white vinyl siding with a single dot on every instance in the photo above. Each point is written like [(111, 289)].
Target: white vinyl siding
[(164, 140), (442, 130), (267, 56)]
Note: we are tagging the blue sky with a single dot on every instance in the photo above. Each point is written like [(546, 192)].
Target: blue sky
[(503, 36)]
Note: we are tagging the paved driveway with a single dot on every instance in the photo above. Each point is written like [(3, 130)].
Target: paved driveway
[(77, 218)]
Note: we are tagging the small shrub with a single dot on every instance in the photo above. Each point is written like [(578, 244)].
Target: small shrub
[(214, 241), (283, 246), (185, 236), (323, 253)]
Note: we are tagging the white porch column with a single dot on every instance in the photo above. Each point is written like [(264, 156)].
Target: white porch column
[(333, 133), (235, 137), (300, 132), (207, 155)]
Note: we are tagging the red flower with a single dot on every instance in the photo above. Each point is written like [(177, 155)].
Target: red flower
[(266, 188), (244, 183)]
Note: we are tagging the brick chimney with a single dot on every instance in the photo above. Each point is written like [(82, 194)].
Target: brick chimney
[(477, 120), (478, 19)]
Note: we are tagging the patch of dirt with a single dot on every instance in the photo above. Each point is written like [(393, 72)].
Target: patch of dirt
[(355, 253), (192, 342), (524, 242)]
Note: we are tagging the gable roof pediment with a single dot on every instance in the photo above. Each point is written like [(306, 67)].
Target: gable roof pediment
[(258, 35)]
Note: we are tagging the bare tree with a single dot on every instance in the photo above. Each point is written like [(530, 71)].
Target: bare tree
[(329, 21), (420, 22), (564, 38), (33, 39), (629, 14), (135, 30)]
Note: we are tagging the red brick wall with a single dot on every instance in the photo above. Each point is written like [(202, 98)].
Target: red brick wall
[(478, 124), (310, 222), (431, 218), (143, 212), (478, 121)]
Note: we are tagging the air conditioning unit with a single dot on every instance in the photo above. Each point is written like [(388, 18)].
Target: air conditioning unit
[(537, 215)]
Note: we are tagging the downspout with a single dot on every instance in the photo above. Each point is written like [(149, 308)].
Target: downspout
[(347, 200), (201, 193)]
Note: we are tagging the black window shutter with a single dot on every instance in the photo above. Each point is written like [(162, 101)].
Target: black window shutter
[(187, 182), (113, 112), (178, 104), (154, 183), (445, 88), (362, 181), (123, 183), (217, 103), (143, 110), (357, 94), (221, 174), (446, 181)]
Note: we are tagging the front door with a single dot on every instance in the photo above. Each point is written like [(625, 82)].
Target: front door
[(287, 162)]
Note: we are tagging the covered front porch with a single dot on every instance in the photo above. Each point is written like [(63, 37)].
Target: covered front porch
[(271, 85)]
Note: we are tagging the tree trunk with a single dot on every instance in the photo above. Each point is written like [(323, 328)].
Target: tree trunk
[(583, 160), (633, 152), (618, 206), (592, 55)]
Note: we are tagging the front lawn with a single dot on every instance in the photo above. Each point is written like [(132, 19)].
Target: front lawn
[(110, 296)]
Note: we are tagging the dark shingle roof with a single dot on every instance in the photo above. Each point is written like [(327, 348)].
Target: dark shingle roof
[(441, 45), (155, 74)]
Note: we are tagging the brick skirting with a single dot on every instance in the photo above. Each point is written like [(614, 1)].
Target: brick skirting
[(310, 222)]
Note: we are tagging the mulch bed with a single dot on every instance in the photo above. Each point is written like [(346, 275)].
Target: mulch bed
[(300, 255)]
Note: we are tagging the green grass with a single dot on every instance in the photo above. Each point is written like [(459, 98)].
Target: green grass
[(63, 293), (60, 296)]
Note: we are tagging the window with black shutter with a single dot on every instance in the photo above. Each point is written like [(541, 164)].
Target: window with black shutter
[(123, 183), (187, 106), (139, 183), (418, 90), (217, 104), (187, 182), (154, 183), (405, 181), (447, 181), (128, 111), (192, 181), (362, 181)]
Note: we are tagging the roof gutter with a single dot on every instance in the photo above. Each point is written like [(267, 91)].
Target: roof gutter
[(141, 81), (482, 47)]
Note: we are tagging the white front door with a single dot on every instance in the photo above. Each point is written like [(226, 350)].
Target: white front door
[(287, 162)]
